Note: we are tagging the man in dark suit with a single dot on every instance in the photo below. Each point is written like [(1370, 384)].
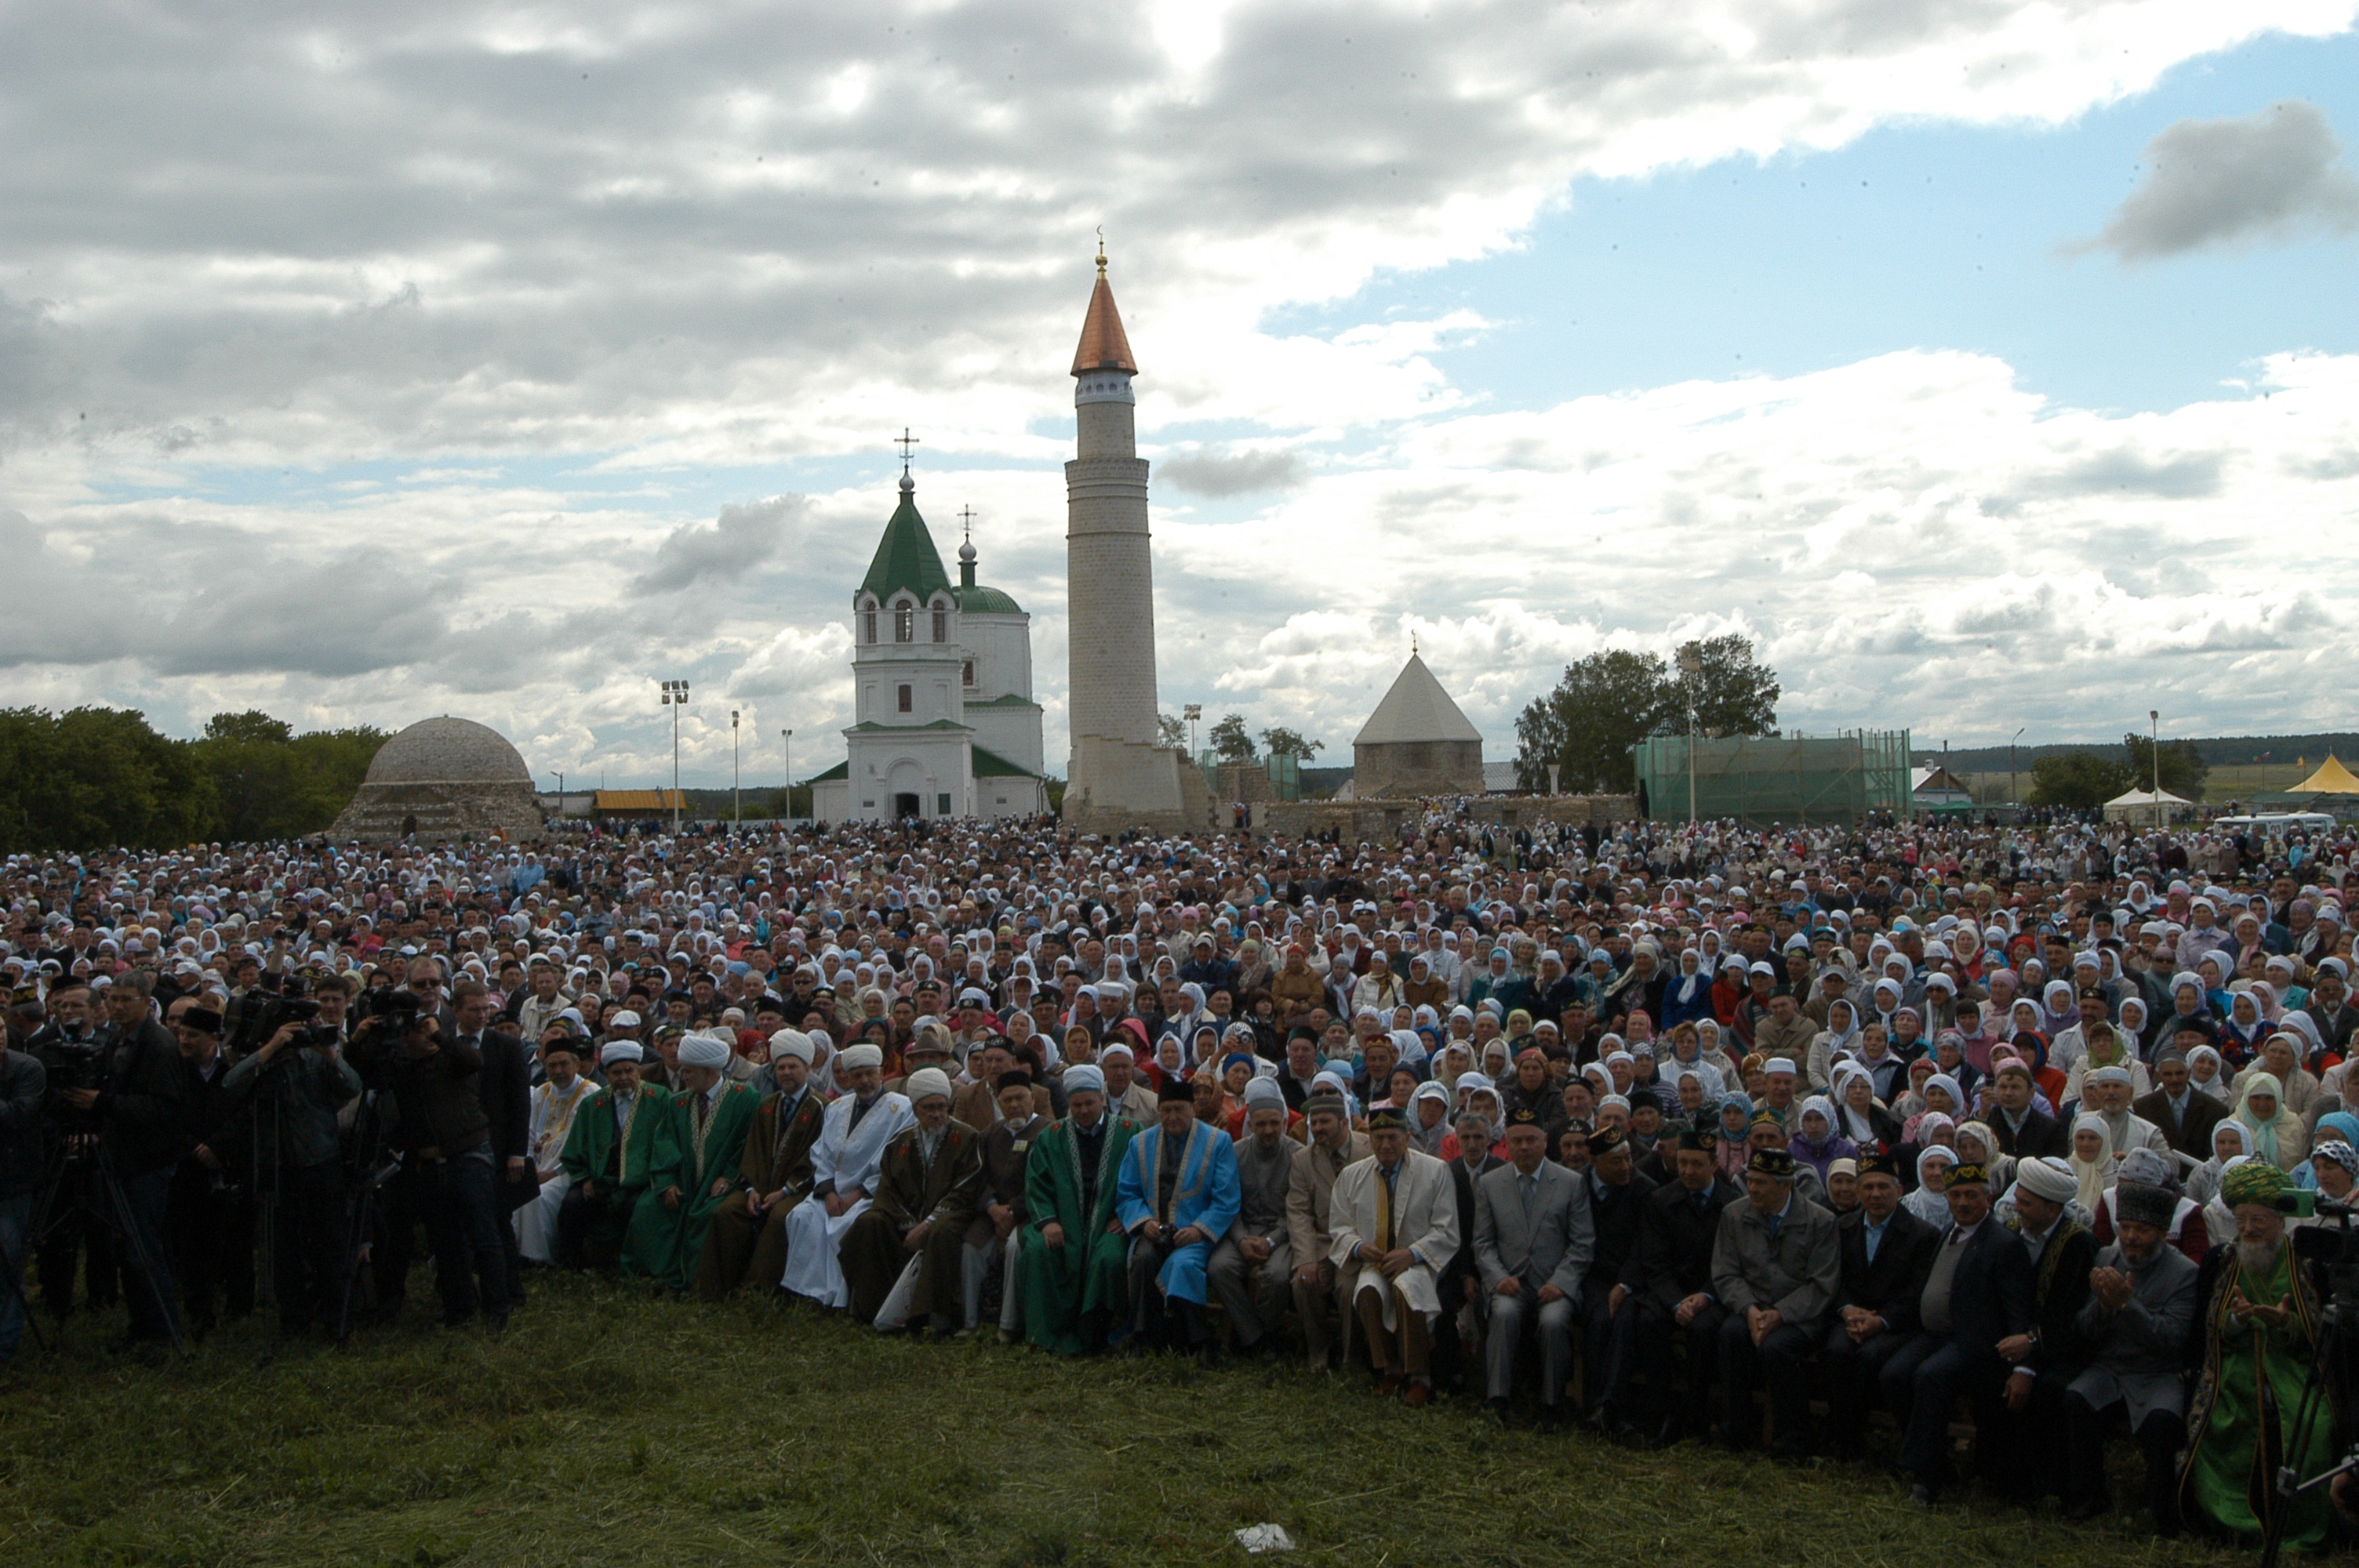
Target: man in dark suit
[(2185, 1114), (136, 1110), (1617, 1206), (504, 1088), (2025, 1133), (1775, 1268), (1532, 1245), (2022, 1453), (1978, 1293), (1672, 1283), (1886, 1253)]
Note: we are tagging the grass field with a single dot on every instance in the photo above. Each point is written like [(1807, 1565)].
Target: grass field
[(609, 1427)]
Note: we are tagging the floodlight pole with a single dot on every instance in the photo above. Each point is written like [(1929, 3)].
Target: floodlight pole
[(675, 697), (788, 737), (2154, 753), (736, 799), (1691, 665), (2010, 765)]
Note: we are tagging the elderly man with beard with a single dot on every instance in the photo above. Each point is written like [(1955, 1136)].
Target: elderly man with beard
[(900, 1259), (1396, 1227), (846, 1163), (1252, 1268), (2257, 1310), (608, 1152), (1072, 1251), (748, 1233), (705, 1145), (1332, 1149), (2141, 1303)]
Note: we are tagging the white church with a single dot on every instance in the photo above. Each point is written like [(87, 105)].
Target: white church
[(944, 723)]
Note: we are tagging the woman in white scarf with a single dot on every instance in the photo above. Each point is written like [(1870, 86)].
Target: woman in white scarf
[(2280, 1059), (2205, 1071), (2278, 1136), (2093, 1161), (1926, 1202), (2231, 1140), (1840, 1037)]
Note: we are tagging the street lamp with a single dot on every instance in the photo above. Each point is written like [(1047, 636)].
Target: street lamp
[(675, 697), (561, 795), (2154, 752), (1690, 666), (2010, 767), (736, 801), (788, 737), (1192, 712)]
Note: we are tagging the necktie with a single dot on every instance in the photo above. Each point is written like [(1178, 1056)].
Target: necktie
[(703, 1109), (1775, 1221), (1384, 1210)]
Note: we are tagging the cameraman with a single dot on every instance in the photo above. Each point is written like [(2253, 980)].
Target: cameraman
[(297, 1083), (211, 1214), (136, 1107), (67, 1048), (446, 1153), (21, 1085)]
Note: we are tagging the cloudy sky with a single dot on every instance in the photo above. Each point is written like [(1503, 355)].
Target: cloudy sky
[(1992, 362)]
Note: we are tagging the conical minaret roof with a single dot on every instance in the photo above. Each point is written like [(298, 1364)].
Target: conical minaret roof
[(1415, 709), (1104, 344)]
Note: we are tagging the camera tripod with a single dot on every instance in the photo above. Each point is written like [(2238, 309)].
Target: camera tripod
[(97, 1192), (2319, 1384)]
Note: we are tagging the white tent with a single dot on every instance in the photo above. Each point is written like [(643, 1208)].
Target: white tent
[(2138, 805)]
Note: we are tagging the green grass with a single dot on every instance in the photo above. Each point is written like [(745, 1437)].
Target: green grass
[(611, 1427)]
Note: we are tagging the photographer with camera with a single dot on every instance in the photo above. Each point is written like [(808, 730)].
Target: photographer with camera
[(67, 1233), (22, 1087), (134, 1102), (295, 1085), (447, 1156), (210, 1214)]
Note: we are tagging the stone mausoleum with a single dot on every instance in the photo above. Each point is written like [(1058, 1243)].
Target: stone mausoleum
[(443, 778)]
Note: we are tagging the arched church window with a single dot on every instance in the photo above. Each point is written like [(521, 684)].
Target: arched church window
[(905, 625), (941, 625), (968, 677), (868, 626), (905, 699)]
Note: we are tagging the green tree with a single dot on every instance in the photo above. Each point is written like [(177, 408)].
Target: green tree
[(1231, 740), (1171, 732), (97, 778), (1281, 742), (2183, 767), (1734, 695), (1605, 704), (2076, 781)]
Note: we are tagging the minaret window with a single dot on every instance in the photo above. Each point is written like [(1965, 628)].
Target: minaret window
[(967, 678), (905, 699), (941, 625), (868, 626), (905, 625)]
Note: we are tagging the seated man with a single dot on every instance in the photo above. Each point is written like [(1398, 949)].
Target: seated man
[(1333, 1148), (555, 1100), (1394, 1217), (1178, 1194), (1252, 1268), (1072, 1254), (1776, 1267), (845, 1163), (1532, 1245), (2141, 1305), (706, 1142), (990, 1244), (1886, 1253), (1671, 1279), (1617, 1197), (904, 1249), (748, 1234), (614, 1144)]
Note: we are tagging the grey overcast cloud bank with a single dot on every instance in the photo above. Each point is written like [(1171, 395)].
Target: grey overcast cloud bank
[(2216, 182), (517, 271)]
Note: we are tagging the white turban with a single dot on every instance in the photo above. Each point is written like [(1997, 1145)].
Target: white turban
[(793, 1043), (1260, 1091), (1081, 1077), (621, 1051), (703, 1051), (2047, 1179), (925, 1084), (867, 1054)]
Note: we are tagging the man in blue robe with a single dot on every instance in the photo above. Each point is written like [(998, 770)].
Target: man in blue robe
[(1177, 1197)]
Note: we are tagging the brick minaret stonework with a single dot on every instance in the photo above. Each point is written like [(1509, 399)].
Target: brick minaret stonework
[(1120, 774)]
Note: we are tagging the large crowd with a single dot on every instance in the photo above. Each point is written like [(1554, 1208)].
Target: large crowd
[(1760, 1137)]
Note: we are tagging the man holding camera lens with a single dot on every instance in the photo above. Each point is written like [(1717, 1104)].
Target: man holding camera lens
[(447, 1159), (297, 1083), (134, 1103)]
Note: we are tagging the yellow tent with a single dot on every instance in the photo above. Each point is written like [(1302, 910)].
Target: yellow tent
[(2331, 778)]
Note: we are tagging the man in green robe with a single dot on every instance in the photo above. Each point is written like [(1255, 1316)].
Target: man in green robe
[(2258, 1322), (695, 1165), (615, 1141), (1075, 1252)]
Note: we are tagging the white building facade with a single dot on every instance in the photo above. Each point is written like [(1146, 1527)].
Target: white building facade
[(944, 723)]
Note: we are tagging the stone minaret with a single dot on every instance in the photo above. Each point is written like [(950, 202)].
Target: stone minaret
[(1119, 775)]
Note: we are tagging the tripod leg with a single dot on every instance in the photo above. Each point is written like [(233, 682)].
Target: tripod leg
[(124, 1218)]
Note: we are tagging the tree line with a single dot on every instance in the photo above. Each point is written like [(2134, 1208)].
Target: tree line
[(96, 778), (1610, 701), (2085, 778)]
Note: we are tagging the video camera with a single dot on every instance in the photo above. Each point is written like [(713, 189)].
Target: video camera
[(249, 1020), (395, 1005)]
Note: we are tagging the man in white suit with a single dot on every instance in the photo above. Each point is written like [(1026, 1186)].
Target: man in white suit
[(1394, 1216), (1533, 1241), (845, 1163)]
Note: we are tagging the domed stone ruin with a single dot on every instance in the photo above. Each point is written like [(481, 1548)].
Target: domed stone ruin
[(440, 779)]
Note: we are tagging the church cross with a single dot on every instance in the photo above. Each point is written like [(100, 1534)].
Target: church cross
[(905, 441)]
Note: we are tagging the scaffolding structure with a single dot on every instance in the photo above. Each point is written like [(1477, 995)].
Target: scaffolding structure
[(1761, 779)]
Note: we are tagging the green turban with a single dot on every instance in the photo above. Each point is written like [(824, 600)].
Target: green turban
[(2256, 1182)]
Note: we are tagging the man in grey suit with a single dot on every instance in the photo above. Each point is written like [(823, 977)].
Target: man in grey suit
[(1777, 1265), (2142, 1299), (1533, 1241)]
